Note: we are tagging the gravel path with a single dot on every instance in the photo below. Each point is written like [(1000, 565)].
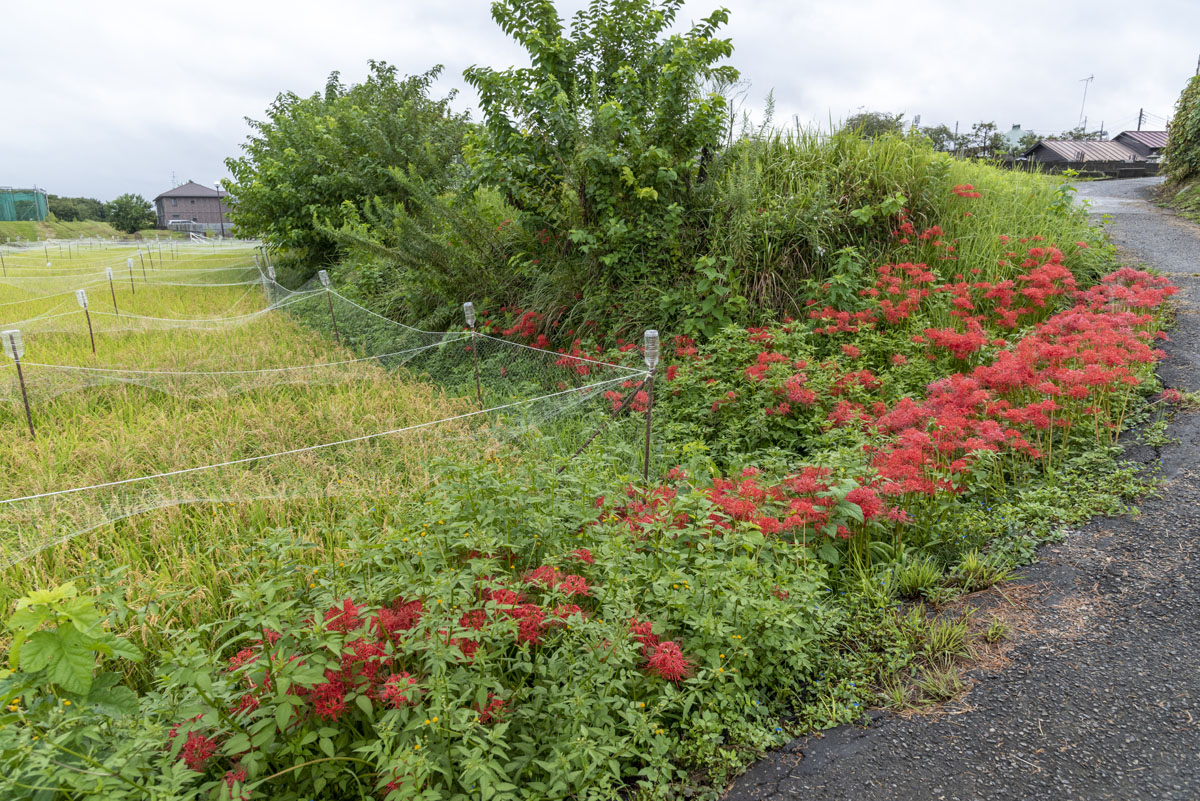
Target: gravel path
[(1102, 700)]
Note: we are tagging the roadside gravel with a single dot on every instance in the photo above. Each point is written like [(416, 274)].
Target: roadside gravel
[(1102, 700)]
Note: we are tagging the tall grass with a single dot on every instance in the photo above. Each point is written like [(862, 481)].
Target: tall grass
[(787, 207)]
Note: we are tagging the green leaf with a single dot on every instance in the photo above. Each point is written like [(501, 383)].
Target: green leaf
[(327, 746), (237, 744), (64, 654), (283, 714), (114, 701), (124, 649), (830, 553)]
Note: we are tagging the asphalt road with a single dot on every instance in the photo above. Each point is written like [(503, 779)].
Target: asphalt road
[(1101, 700)]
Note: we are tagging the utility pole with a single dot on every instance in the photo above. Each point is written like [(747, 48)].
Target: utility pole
[(1141, 115), (1085, 82)]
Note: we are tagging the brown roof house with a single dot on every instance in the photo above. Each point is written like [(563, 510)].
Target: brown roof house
[(1147, 144), (1071, 150), (192, 207)]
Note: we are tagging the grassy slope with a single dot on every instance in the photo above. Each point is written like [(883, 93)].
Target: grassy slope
[(1183, 198), (57, 230)]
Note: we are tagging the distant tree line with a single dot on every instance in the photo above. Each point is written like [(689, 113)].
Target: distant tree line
[(128, 213), (983, 140)]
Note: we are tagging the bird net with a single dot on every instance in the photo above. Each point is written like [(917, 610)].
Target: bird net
[(181, 386)]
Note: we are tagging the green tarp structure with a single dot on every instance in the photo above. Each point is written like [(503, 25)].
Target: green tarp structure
[(22, 205)]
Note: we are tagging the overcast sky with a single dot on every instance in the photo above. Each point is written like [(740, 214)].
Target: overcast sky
[(105, 98)]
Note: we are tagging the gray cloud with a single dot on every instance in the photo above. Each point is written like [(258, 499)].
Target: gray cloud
[(114, 97)]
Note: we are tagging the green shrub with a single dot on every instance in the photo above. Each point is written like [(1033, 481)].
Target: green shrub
[(1182, 155)]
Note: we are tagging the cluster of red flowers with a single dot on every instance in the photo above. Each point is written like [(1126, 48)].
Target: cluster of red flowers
[(664, 658), (966, 191)]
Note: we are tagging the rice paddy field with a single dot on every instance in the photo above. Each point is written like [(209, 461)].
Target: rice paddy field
[(193, 366)]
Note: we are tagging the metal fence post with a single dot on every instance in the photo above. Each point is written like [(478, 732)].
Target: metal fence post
[(324, 278), (651, 353), (469, 313), (14, 348), (82, 299)]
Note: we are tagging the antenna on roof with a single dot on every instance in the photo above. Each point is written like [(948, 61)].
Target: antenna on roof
[(1085, 82)]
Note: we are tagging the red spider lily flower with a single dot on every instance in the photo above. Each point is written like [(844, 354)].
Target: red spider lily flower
[(363, 660), (866, 499), (574, 585), (531, 623), (234, 777), (400, 690), (583, 555), (197, 750), (643, 633), (246, 704), (475, 620), (246, 656), (344, 618), (544, 576), (329, 697), (402, 616), (667, 662), (492, 711)]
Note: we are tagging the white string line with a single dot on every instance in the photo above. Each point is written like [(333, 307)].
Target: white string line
[(124, 272), (187, 320), (295, 297), (237, 372), (494, 339), (43, 297), (567, 355), (309, 448), (376, 314)]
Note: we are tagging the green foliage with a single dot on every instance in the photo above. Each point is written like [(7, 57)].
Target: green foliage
[(1182, 156), (313, 158), (785, 208), (604, 142), (73, 209), (978, 572), (65, 651), (1080, 134), (129, 213), (920, 578), (873, 124), (1184, 198), (746, 611)]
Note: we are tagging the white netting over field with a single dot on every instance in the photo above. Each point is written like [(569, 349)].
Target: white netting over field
[(235, 391)]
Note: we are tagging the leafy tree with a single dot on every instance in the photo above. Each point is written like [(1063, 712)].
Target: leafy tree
[(129, 213), (312, 155), (1182, 155), (72, 209), (603, 143), (943, 139), (1080, 135), (1027, 142), (985, 141), (872, 124)]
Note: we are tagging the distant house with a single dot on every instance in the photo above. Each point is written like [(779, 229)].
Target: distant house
[(1056, 150), (192, 207), (1147, 144)]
